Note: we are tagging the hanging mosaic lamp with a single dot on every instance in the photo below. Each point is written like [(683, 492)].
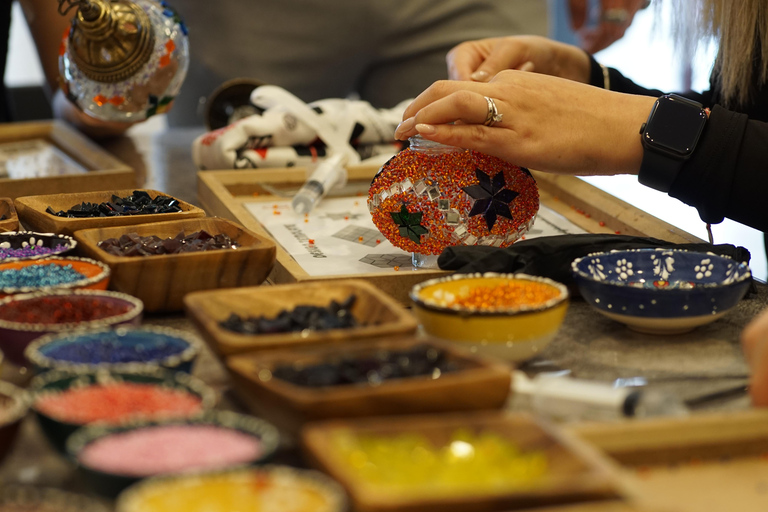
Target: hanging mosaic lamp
[(431, 196), (122, 60)]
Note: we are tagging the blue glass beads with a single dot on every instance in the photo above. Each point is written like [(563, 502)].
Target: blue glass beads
[(35, 276), (144, 346)]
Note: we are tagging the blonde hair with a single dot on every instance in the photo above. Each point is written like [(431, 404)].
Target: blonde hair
[(740, 27)]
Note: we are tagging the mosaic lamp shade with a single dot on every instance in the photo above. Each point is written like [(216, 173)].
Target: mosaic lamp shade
[(430, 196), (122, 60)]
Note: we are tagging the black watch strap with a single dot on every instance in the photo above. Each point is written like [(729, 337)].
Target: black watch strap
[(669, 138), (658, 171)]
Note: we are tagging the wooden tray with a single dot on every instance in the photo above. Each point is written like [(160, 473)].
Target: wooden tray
[(480, 384), (379, 314), (713, 462), (32, 212), (224, 193), (575, 472), (7, 210), (161, 282), (103, 171)]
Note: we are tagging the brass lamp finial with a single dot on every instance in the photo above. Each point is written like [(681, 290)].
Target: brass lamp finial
[(110, 40)]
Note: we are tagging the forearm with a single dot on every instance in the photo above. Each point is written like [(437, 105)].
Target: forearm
[(47, 27), (620, 83)]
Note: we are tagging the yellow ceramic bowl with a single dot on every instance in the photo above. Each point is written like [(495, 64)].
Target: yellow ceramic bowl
[(514, 331)]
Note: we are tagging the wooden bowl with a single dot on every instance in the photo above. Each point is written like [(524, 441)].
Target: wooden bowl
[(377, 312), (574, 471), (96, 275), (7, 210), (32, 211), (477, 383), (162, 281)]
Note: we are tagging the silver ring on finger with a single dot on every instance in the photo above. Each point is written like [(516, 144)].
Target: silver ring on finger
[(493, 116)]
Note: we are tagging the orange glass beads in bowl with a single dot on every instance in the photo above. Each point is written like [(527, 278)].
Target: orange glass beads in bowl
[(509, 316), (431, 196)]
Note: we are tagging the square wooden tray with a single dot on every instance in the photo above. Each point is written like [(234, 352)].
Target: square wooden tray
[(713, 462), (7, 210), (225, 194), (575, 472), (32, 211), (162, 281), (103, 170), (378, 313), (479, 383)]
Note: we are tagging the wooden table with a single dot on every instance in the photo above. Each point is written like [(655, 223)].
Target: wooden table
[(590, 346)]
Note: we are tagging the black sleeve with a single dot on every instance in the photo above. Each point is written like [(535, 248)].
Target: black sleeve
[(620, 83), (727, 175)]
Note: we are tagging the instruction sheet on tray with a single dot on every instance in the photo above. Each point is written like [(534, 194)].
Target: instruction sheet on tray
[(339, 236)]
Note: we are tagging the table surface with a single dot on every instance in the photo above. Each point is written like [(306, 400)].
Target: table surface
[(704, 361)]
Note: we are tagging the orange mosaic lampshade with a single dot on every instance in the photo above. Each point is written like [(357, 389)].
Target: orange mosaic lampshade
[(431, 196)]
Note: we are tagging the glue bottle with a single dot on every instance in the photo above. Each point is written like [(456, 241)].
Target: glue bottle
[(328, 174), (568, 399)]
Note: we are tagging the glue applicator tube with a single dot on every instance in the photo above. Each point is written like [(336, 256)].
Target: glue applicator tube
[(568, 399), (328, 174)]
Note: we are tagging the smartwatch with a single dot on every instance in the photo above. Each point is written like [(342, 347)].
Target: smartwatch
[(669, 138)]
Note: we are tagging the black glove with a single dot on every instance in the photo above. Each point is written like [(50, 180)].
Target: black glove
[(551, 256)]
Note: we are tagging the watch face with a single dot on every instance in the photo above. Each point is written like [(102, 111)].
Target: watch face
[(675, 126)]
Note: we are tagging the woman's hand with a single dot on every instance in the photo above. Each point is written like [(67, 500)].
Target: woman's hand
[(481, 60), (616, 17), (549, 124), (754, 340)]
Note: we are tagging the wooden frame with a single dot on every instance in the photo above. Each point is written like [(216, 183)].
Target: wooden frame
[(104, 170), (714, 461), (224, 194)]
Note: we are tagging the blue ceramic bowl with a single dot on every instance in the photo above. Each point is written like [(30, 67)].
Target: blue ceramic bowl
[(115, 349), (661, 291)]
